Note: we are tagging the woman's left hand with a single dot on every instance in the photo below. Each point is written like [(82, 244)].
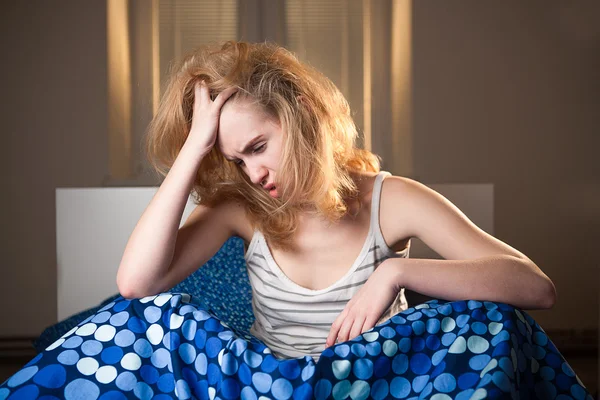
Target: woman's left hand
[(368, 304)]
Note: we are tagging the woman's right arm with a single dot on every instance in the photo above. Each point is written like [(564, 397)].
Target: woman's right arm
[(151, 247)]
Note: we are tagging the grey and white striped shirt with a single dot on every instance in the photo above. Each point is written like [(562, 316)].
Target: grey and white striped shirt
[(294, 321)]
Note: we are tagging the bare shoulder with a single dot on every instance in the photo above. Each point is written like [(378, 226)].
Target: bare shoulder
[(395, 186), (400, 195), (412, 209), (397, 196)]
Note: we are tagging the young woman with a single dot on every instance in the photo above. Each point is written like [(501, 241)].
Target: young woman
[(267, 146)]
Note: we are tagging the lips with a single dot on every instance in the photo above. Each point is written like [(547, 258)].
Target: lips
[(270, 187)]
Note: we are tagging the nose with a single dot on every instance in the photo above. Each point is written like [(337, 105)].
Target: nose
[(258, 174)]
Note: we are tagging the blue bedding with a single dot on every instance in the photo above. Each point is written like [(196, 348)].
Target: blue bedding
[(173, 346), (194, 344)]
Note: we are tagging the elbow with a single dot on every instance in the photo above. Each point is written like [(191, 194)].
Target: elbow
[(128, 295), (129, 289), (123, 286), (550, 295), (127, 292)]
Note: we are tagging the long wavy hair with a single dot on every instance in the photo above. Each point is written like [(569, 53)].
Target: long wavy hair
[(319, 147)]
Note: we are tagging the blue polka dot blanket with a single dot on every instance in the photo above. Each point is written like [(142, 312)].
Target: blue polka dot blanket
[(172, 346)]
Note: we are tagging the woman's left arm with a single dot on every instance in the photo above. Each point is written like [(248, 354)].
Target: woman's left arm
[(505, 279), (502, 278), (475, 264)]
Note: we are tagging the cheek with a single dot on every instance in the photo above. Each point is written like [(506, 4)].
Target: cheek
[(278, 152), (274, 160)]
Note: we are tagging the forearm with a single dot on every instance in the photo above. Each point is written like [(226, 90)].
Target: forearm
[(150, 247), (501, 278)]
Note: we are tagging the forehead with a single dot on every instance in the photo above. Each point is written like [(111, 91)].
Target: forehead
[(240, 121)]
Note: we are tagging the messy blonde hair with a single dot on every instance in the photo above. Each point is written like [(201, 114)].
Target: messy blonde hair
[(319, 151)]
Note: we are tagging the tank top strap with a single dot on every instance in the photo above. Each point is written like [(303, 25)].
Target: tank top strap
[(376, 197)]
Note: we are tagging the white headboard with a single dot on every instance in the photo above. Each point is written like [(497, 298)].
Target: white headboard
[(94, 224)]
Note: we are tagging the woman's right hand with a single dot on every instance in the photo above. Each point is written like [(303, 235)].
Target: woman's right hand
[(205, 117)]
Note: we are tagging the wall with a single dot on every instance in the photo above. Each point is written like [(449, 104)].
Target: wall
[(502, 96), (54, 135), (509, 94)]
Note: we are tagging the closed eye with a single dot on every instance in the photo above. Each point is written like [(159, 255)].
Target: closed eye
[(258, 149)]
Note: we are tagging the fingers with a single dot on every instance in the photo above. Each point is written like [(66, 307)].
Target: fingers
[(224, 95), (345, 330), (348, 328), (357, 328), (369, 323), (202, 95), (333, 334)]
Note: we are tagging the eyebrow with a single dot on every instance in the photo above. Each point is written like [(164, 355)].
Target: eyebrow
[(246, 149)]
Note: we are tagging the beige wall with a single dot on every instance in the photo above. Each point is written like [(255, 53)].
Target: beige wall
[(53, 135), (510, 95), (502, 96)]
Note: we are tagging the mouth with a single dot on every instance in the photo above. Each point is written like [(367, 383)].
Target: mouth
[(271, 189)]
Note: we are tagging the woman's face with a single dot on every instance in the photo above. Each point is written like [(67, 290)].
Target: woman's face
[(251, 138)]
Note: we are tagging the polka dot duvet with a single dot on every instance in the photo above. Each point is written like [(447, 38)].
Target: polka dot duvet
[(173, 346)]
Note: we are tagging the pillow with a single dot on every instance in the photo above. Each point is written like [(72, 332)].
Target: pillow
[(221, 284)]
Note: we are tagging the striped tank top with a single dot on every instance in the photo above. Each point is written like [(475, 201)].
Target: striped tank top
[(294, 321)]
